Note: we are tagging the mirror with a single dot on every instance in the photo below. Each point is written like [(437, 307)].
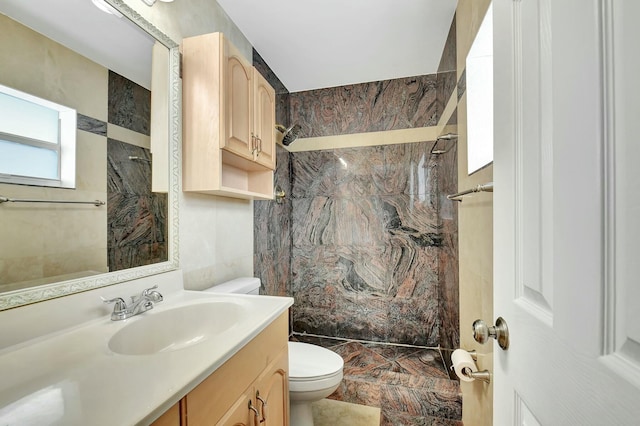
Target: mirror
[(51, 250)]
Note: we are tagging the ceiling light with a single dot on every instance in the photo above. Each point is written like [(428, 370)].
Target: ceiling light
[(106, 7)]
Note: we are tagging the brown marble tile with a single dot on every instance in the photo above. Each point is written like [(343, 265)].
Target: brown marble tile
[(370, 249), (449, 59), (420, 402), (129, 104), (136, 217), (313, 173), (272, 234), (448, 257), (358, 392), (361, 362), (447, 74), (407, 383), (368, 107), (91, 125), (426, 362)]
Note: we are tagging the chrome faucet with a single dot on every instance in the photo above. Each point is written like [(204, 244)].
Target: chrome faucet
[(139, 304)]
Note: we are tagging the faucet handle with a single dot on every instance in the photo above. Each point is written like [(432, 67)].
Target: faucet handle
[(155, 296), (119, 309), (146, 291), (119, 303)]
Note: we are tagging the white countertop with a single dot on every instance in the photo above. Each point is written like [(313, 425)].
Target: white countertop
[(72, 377)]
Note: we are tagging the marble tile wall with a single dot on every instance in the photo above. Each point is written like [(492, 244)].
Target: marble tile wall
[(136, 217), (447, 69), (272, 221), (272, 234), (364, 235), (366, 239), (129, 104), (448, 279), (409, 385), (368, 107)]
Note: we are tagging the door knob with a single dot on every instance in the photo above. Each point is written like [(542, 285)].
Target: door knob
[(482, 332)]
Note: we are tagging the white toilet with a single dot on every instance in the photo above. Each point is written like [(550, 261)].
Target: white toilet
[(314, 372)]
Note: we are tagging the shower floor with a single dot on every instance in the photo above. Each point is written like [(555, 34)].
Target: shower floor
[(410, 385)]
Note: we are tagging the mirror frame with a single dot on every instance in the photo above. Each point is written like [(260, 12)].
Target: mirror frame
[(14, 299)]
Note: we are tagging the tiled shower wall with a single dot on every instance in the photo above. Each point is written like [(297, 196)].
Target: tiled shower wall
[(136, 217), (447, 210), (365, 240), (272, 221)]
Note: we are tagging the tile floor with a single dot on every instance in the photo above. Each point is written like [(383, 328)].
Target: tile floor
[(410, 385)]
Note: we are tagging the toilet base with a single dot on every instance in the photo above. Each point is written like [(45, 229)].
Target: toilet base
[(301, 414)]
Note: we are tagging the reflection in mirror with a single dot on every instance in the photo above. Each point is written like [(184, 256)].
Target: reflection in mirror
[(100, 66)]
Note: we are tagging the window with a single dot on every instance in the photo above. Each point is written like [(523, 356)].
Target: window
[(37, 141), (479, 70)]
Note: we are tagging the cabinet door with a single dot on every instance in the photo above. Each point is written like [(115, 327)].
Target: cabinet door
[(273, 387), (264, 122), (172, 417), (238, 104), (240, 413)]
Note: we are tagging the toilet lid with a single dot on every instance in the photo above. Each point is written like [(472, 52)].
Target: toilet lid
[(308, 361)]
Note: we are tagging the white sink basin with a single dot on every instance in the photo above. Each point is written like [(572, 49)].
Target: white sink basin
[(176, 328)]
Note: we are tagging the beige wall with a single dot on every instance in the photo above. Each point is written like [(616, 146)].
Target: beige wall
[(49, 239), (475, 221)]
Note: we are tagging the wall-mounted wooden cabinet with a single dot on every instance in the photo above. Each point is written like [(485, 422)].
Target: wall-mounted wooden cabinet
[(228, 123)]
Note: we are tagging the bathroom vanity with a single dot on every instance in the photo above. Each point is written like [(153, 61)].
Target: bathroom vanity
[(248, 389), (104, 372)]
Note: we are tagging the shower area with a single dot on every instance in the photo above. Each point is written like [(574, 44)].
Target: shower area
[(365, 239)]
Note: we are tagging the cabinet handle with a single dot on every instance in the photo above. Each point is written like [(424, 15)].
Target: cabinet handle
[(252, 148), (264, 407), (256, 415)]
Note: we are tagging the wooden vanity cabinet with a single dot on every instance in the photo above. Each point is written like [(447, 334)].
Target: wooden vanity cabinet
[(228, 123), (260, 367), (173, 416), (269, 387)]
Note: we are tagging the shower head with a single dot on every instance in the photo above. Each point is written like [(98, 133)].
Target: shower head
[(289, 134)]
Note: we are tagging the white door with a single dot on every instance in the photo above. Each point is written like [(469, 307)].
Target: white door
[(567, 211)]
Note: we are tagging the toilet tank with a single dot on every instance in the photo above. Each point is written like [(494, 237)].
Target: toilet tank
[(244, 285)]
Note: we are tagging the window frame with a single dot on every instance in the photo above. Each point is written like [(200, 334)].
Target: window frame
[(65, 145)]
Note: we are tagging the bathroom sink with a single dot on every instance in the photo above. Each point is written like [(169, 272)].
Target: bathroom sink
[(176, 328)]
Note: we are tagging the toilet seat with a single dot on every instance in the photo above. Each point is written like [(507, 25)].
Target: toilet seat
[(313, 367)]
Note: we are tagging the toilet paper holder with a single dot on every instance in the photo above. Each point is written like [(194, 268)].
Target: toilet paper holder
[(483, 376)]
